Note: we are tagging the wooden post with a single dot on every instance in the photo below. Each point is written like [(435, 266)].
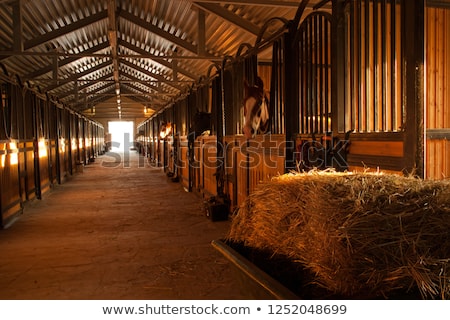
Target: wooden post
[(338, 67), (413, 84), (201, 33), (17, 26)]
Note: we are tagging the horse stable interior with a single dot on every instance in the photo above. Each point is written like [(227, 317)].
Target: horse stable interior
[(349, 85)]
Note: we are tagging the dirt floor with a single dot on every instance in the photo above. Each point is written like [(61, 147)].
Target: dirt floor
[(119, 230)]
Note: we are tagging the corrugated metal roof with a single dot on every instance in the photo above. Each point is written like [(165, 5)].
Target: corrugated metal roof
[(150, 51)]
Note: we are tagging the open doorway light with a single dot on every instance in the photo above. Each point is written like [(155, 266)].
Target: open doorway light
[(122, 133)]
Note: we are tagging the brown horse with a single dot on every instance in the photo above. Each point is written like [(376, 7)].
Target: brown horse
[(165, 128), (256, 110)]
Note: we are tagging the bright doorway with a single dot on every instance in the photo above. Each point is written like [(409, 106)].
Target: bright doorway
[(122, 133)]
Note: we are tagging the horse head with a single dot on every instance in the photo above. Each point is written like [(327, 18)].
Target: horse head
[(256, 109), (165, 128)]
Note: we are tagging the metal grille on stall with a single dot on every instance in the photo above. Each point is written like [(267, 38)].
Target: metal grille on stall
[(374, 84), (315, 141)]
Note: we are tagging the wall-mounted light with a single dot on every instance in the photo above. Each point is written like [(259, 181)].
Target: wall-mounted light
[(3, 156), (14, 154), (74, 144)]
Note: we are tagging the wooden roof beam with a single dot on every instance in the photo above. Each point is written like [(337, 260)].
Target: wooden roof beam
[(228, 16), (263, 3)]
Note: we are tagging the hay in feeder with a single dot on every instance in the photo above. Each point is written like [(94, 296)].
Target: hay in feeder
[(363, 235)]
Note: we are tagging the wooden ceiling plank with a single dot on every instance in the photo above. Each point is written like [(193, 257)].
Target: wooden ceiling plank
[(158, 31), (150, 74), (66, 61), (81, 74), (161, 61), (49, 36)]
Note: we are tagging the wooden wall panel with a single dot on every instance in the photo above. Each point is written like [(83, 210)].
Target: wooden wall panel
[(242, 185), (44, 165), (9, 180), (183, 163), (438, 156), (52, 161), (197, 171), (254, 162), (208, 165), (63, 160), (377, 148), (437, 93), (29, 183)]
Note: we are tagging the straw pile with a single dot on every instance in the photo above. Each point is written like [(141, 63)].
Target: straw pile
[(361, 234)]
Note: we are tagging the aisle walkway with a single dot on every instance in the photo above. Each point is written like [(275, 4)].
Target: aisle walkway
[(119, 230)]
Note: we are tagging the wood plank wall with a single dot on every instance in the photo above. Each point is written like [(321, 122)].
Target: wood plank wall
[(9, 179), (437, 93), (34, 145), (183, 163), (251, 162)]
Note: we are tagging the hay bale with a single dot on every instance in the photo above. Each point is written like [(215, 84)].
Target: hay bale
[(362, 234)]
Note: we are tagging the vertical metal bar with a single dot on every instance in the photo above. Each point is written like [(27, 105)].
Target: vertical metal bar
[(305, 71), (281, 78), (367, 31), (375, 64), (326, 69), (302, 80), (320, 68), (278, 111), (384, 65), (274, 87), (310, 77), (359, 70), (352, 65), (393, 70), (315, 87), (291, 114)]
